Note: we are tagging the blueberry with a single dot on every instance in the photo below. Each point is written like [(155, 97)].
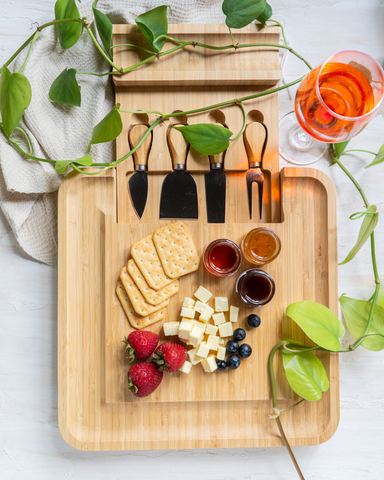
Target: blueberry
[(245, 350), (239, 334), (221, 365), (254, 321), (232, 346), (233, 362)]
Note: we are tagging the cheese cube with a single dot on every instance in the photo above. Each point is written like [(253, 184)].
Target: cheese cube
[(221, 304), (189, 302), (185, 326), (207, 314), (203, 294), (221, 341), (196, 335), (220, 355), (203, 350), (209, 364), (186, 368), (187, 312), (211, 329), (195, 359), (226, 329), (200, 306), (219, 318), (171, 328), (213, 342), (233, 314)]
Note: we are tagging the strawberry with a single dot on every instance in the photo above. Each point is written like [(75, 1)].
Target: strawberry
[(143, 379), (140, 344), (170, 356)]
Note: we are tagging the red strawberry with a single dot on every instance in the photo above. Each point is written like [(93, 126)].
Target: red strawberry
[(170, 356), (140, 344), (143, 379)]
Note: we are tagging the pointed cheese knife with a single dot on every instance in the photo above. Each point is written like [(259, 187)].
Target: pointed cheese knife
[(138, 183), (179, 192)]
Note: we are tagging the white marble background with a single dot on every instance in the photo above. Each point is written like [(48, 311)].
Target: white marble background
[(30, 443)]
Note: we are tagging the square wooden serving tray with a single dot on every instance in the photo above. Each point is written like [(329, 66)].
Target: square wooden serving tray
[(97, 226)]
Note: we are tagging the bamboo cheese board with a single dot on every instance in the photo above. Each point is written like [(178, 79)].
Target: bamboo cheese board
[(98, 225)]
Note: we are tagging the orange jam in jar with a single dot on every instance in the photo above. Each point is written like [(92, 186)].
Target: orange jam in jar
[(261, 246)]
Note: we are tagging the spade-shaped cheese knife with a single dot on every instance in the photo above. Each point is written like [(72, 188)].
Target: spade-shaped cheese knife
[(138, 183), (215, 186), (254, 139), (179, 192)]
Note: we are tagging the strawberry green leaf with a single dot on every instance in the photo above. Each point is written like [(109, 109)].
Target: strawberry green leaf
[(15, 97)]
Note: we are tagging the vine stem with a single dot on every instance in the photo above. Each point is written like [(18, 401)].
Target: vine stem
[(275, 405), (359, 150), (282, 30), (113, 65), (35, 37), (241, 105)]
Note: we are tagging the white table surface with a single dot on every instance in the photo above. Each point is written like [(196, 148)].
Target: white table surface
[(30, 442)]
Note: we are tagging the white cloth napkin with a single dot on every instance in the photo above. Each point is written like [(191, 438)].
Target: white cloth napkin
[(28, 189)]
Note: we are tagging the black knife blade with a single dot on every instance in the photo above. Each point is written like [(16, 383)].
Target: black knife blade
[(179, 193), (138, 182)]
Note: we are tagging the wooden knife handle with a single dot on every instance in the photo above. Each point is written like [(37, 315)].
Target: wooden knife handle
[(140, 156), (219, 158), (178, 147), (254, 139)]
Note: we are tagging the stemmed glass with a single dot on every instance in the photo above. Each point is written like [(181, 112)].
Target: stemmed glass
[(333, 103)]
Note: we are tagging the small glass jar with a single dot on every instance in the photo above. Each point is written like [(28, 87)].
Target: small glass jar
[(255, 287), (261, 246), (222, 258)]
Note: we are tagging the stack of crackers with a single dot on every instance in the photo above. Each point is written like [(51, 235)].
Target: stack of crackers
[(151, 276)]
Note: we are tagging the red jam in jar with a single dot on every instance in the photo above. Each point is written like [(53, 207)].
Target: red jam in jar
[(255, 287), (261, 246), (222, 257)]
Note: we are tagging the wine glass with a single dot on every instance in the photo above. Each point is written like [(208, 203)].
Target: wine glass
[(333, 103)]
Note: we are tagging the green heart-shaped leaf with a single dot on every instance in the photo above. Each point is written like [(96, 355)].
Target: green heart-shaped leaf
[(306, 375), (108, 129), (369, 223), (104, 27), (241, 13), (266, 15), (318, 322), (356, 313), (69, 33), (153, 24), (61, 166), (207, 138), (340, 147), (65, 89), (15, 97), (379, 158)]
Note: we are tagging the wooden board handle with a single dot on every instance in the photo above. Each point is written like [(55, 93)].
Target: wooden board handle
[(140, 157), (178, 147), (219, 158), (254, 139)]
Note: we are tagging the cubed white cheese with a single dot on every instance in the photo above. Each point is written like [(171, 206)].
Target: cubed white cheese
[(226, 329), (221, 304), (200, 306), (203, 294), (186, 368), (220, 355), (196, 335), (211, 329), (171, 328), (222, 341), (213, 342), (185, 327), (209, 364), (195, 359), (203, 350), (189, 302), (218, 318), (233, 314), (187, 312), (207, 314)]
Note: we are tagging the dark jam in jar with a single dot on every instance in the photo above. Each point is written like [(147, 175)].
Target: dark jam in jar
[(222, 257), (255, 287)]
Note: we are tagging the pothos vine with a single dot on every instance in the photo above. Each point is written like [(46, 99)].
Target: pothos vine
[(365, 319)]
